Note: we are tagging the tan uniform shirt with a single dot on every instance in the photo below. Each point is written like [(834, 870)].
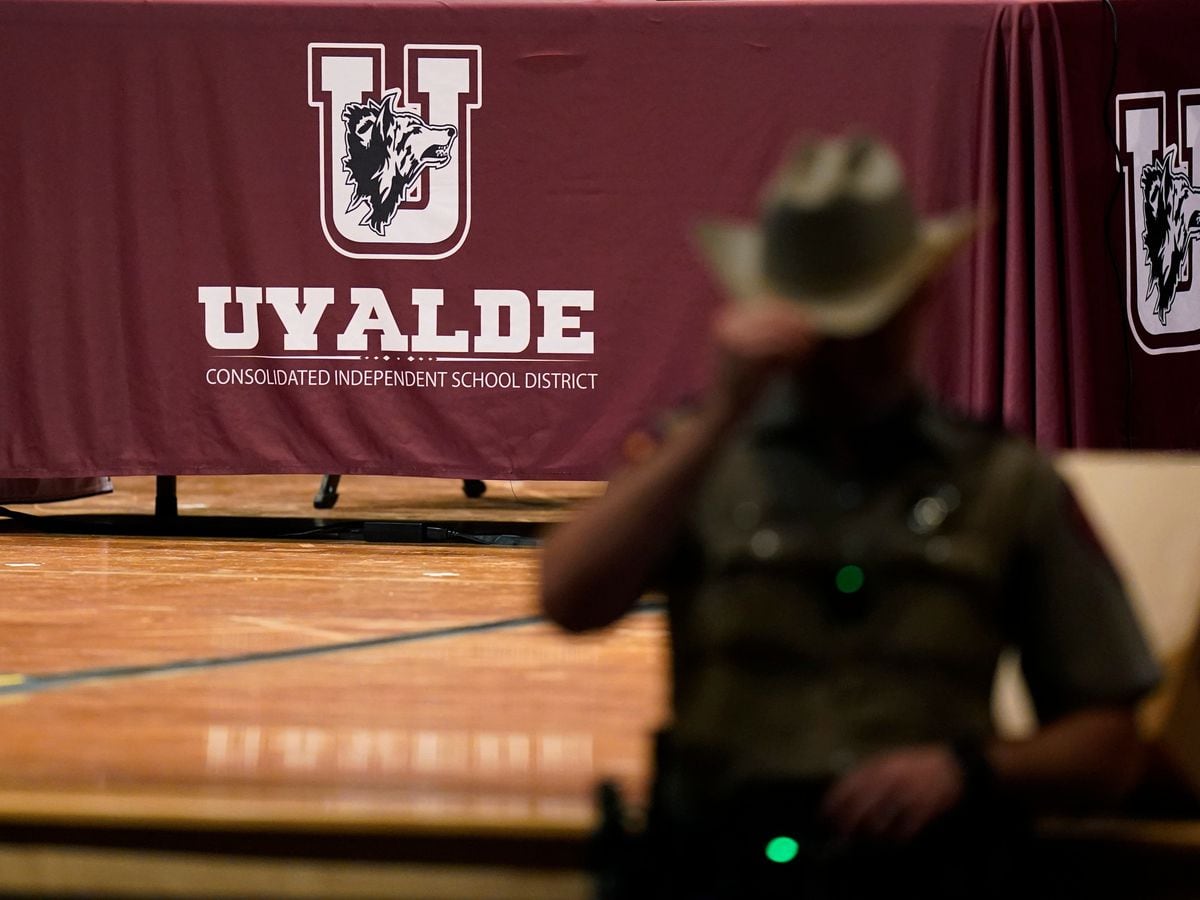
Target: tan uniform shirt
[(836, 594)]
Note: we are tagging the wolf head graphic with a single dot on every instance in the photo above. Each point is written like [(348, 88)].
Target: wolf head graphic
[(387, 149), (1172, 212)]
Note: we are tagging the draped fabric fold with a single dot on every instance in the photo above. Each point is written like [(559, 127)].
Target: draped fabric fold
[(1047, 342)]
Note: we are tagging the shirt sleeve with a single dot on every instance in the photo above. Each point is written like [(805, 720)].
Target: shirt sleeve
[(1080, 642), (678, 566)]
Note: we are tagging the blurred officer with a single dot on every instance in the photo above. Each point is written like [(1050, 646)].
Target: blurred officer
[(844, 562)]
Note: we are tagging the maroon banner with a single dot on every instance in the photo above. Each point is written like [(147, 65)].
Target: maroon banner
[(452, 239)]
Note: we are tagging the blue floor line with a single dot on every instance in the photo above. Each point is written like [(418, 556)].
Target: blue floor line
[(31, 684)]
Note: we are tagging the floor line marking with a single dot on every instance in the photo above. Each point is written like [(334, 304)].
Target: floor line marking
[(30, 683)]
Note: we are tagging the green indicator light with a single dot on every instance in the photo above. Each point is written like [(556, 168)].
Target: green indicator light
[(850, 579), (782, 850)]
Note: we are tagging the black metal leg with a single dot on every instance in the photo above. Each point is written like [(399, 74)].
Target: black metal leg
[(327, 494), (166, 502)]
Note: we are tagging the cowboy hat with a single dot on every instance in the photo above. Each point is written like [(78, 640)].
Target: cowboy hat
[(838, 235)]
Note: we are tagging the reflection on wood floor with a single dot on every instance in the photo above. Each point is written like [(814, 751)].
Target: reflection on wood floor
[(311, 687)]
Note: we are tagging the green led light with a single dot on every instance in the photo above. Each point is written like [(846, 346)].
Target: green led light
[(782, 850), (850, 579)]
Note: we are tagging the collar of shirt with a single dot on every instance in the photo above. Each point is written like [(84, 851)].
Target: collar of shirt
[(913, 428)]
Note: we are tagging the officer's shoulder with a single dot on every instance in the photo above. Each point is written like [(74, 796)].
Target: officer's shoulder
[(974, 439)]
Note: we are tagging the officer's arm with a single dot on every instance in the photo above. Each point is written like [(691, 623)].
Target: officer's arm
[(1084, 656), (595, 567), (1085, 758)]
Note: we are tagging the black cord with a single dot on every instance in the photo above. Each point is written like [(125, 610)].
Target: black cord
[(1118, 184), (333, 528), (13, 514), (491, 540)]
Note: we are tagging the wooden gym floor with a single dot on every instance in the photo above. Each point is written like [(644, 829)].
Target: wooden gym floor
[(303, 718), (347, 702)]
